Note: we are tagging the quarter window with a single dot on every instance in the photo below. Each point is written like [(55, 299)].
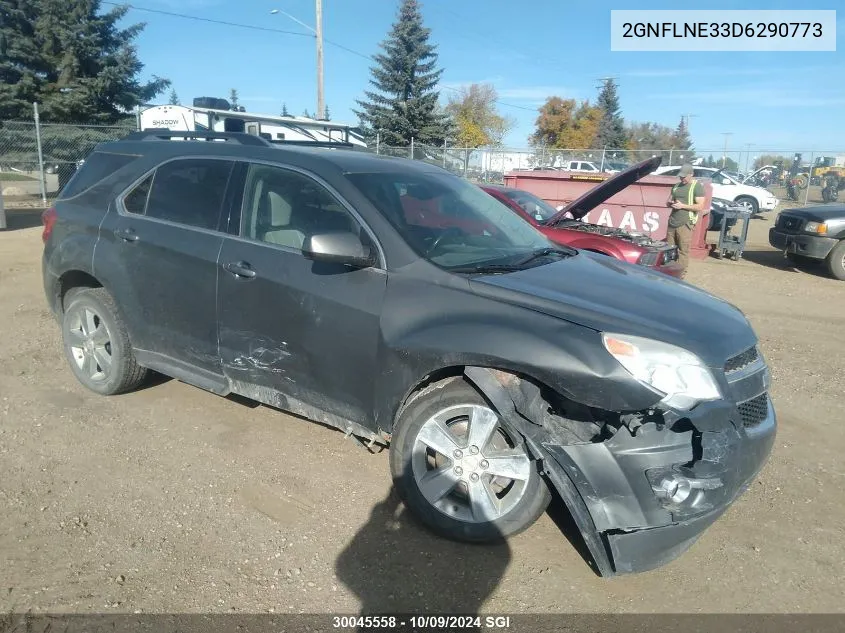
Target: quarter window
[(96, 168), (190, 191), (136, 200), (284, 207)]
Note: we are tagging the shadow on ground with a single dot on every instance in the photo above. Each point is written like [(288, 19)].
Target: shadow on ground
[(18, 219), (775, 259), (394, 565)]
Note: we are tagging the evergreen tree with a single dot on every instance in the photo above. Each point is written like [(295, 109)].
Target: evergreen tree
[(326, 115), (233, 99), (174, 98), (683, 141), (307, 114), (611, 133), (285, 110), (21, 65), (88, 67), (404, 104)]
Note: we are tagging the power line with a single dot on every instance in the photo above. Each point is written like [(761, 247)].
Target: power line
[(201, 19), (272, 30)]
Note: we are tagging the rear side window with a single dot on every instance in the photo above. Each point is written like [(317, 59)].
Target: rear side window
[(189, 191), (136, 200), (97, 167)]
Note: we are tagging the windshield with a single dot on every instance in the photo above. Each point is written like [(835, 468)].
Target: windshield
[(536, 207), (449, 221), (721, 175)]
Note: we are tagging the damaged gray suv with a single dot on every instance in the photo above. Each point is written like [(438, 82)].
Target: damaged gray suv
[(405, 306)]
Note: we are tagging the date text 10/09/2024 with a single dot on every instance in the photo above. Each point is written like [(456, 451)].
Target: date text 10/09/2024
[(421, 622)]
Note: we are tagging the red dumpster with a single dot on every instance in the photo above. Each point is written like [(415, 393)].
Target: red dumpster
[(640, 207)]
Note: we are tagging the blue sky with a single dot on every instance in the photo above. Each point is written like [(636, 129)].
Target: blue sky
[(529, 50)]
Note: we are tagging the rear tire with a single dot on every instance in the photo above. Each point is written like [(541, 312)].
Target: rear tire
[(96, 343), (836, 261), (479, 483)]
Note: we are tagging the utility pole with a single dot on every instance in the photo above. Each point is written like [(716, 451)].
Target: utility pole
[(748, 147), (321, 104), (318, 35), (725, 155)]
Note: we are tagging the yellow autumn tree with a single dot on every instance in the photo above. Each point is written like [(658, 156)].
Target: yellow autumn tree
[(566, 124), (477, 121)]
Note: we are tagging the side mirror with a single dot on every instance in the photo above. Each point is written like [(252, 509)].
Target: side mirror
[(339, 248), (726, 181)]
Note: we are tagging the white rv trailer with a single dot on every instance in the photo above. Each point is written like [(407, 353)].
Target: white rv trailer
[(177, 118)]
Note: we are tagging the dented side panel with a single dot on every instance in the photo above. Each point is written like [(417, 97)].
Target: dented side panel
[(301, 330)]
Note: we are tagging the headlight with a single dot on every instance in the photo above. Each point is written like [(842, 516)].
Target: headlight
[(649, 259), (816, 227), (681, 376)]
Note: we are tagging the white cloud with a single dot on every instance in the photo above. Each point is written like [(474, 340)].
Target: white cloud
[(535, 93), (176, 5), (530, 94), (455, 85), (758, 97), (721, 71)]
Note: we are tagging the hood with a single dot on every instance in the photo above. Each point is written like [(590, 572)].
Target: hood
[(607, 295), (818, 214), (581, 206), (751, 176)]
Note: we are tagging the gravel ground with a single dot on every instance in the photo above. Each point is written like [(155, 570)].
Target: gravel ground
[(173, 499)]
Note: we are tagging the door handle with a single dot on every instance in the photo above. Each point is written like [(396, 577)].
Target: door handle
[(240, 269), (127, 235)]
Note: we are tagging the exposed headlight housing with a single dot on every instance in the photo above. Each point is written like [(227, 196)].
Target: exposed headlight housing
[(679, 375), (649, 259), (819, 228)]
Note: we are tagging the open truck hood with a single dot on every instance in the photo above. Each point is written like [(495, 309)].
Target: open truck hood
[(582, 205)]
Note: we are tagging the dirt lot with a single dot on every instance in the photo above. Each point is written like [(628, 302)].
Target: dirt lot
[(173, 499)]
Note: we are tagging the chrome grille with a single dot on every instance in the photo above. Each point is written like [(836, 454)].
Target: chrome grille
[(754, 411), (741, 360)]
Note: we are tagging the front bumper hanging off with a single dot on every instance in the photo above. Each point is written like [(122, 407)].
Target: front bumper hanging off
[(644, 496)]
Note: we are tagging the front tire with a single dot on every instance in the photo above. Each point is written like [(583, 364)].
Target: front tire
[(96, 343), (459, 470), (749, 203), (836, 261)]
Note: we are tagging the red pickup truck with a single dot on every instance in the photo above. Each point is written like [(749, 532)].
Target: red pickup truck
[(565, 226)]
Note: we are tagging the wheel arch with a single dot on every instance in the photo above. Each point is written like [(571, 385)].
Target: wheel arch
[(444, 374), (749, 196), (70, 280)]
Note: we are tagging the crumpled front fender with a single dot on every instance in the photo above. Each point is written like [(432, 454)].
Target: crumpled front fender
[(643, 496)]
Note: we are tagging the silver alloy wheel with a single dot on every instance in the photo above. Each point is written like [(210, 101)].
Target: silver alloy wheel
[(90, 342), (746, 204), (467, 467)]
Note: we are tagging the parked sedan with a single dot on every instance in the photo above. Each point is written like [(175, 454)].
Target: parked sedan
[(755, 199), (566, 227)]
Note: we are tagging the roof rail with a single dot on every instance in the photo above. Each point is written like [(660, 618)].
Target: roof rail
[(340, 144), (152, 134)]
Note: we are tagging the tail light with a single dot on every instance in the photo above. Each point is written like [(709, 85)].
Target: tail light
[(48, 219)]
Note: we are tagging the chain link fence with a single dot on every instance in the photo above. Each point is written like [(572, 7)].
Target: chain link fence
[(797, 176), (37, 158)]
